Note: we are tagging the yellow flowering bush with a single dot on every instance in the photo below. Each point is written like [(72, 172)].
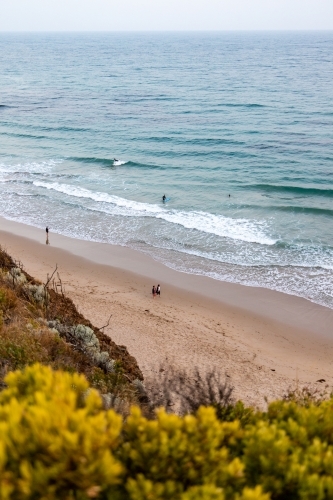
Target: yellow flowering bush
[(184, 458), (55, 442), (289, 451), (147, 490), (185, 451)]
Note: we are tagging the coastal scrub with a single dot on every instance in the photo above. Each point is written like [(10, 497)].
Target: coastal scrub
[(57, 441)]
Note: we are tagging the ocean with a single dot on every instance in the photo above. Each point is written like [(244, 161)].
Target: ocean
[(235, 128)]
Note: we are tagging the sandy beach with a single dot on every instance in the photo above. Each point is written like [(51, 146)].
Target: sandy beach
[(264, 341)]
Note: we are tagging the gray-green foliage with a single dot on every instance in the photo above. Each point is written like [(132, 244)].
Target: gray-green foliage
[(111, 401), (87, 336), (15, 275), (88, 341), (36, 293)]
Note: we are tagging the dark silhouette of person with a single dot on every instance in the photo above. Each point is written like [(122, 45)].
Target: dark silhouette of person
[(164, 197)]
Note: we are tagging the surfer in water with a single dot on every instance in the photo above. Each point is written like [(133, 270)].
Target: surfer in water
[(115, 160), (163, 198)]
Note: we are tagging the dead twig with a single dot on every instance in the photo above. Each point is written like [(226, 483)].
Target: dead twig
[(189, 390), (60, 284), (46, 286), (50, 278), (107, 324)]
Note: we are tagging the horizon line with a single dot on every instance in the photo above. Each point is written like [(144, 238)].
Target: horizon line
[(261, 30)]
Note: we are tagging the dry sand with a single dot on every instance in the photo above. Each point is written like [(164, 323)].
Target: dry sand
[(265, 341)]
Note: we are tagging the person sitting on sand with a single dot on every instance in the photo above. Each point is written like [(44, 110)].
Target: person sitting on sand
[(153, 291), (158, 290)]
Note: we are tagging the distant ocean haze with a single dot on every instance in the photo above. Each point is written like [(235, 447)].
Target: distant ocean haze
[(193, 116)]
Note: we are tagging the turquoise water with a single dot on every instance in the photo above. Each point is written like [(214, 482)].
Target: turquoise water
[(194, 116)]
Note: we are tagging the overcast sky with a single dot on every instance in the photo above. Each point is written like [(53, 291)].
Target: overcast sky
[(147, 15)]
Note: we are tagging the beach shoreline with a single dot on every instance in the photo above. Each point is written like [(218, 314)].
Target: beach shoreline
[(265, 341)]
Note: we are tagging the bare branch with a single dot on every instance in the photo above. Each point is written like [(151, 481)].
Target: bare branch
[(107, 324), (172, 386), (61, 289), (50, 278)]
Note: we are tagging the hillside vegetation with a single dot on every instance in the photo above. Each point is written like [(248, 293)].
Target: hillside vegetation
[(76, 422), (37, 324), (57, 441)]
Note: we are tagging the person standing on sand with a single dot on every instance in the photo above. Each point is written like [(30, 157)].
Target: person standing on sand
[(47, 235), (153, 291), (158, 290)]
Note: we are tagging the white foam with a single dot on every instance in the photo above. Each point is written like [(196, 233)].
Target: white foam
[(239, 229), (118, 163), (31, 167), (135, 208)]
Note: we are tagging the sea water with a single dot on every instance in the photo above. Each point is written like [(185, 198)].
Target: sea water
[(235, 128)]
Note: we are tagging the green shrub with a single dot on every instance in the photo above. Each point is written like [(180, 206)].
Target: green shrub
[(19, 348)]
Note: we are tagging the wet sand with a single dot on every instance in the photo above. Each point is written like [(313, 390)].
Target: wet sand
[(265, 341)]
